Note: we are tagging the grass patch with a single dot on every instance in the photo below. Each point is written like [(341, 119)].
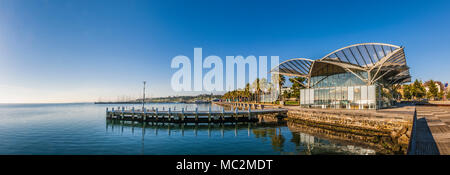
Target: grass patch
[(291, 103)]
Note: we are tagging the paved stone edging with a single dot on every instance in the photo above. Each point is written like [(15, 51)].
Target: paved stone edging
[(390, 127)]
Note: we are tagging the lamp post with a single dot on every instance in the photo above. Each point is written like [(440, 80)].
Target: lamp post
[(143, 98)]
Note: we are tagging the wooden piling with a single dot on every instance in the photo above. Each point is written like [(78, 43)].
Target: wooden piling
[(196, 114)]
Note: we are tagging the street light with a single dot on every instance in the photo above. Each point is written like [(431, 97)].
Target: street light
[(143, 98)]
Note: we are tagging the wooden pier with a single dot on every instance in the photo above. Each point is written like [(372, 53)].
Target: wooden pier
[(195, 116)]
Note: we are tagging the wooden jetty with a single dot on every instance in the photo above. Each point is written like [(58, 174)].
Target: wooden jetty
[(195, 116)]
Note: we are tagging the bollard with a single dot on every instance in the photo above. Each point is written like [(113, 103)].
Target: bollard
[(223, 114), (196, 113), (236, 114), (122, 115), (249, 114), (156, 113), (209, 114), (182, 114), (144, 113), (132, 111), (168, 115), (112, 112)]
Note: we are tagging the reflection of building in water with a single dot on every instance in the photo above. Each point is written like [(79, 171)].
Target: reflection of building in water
[(270, 133), (276, 138), (314, 145), (380, 143)]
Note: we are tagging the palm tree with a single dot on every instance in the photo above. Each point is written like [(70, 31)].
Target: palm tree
[(247, 91), (296, 86), (256, 88), (281, 82)]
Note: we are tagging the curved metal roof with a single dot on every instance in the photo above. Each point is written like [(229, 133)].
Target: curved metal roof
[(294, 67), (384, 62), (364, 55)]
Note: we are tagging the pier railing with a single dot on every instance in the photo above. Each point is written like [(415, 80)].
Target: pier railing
[(155, 115)]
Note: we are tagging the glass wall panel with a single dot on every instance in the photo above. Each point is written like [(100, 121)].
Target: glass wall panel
[(344, 90), (357, 96), (316, 96), (311, 96), (307, 96), (364, 97), (350, 97), (333, 97), (344, 102), (302, 96), (371, 96), (338, 96)]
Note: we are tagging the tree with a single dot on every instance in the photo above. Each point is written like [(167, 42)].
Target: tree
[(432, 89), (407, 92), (247, 92), (256, 88), (286, 94), (448, 95), (264, 85), (296, 86), (418, 90), (440, 85), (440, 95), (280, 79)]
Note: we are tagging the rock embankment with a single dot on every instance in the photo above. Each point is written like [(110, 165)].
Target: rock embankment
[(390, 128)]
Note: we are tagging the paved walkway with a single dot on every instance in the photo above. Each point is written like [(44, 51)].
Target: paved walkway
[(433, 130)]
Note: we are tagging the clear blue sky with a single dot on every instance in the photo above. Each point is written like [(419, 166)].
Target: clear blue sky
[(74, 51)]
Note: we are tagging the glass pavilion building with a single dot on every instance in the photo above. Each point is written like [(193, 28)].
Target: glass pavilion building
[(360, 76)]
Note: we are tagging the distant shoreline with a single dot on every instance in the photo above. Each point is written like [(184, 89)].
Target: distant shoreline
[(202, 102)]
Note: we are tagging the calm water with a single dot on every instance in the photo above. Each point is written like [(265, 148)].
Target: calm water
[(83, 129)]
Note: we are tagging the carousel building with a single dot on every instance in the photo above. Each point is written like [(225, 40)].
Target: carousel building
[(360, 76)]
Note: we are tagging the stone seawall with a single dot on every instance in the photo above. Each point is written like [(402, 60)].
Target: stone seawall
[(262, 117), (388, 129)]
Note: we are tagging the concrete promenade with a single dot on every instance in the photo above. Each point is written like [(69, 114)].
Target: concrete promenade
[(432, 130)]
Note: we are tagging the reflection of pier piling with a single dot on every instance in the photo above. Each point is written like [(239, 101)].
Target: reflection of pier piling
[(312, 144), (196, 116), (182, 128)]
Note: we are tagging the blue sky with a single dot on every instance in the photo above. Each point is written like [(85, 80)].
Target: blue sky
[(77, 51)]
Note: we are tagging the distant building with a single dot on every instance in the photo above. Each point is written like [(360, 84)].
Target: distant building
[(286, 89), (353, 77), (437, 85)]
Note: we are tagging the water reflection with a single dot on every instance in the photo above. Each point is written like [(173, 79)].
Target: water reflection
[(276, 138), (313, 145), (339, 142), (284, 138), (112, 125)]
